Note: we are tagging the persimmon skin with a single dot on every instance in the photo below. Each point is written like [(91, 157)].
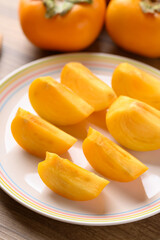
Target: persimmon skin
[(132, 29), (73, 31)]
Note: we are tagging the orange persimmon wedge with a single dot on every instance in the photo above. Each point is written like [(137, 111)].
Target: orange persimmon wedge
[(56, 103), (37, 136), (127, 80), (109, 159), (69, 180), (88, 86), (134, 124)]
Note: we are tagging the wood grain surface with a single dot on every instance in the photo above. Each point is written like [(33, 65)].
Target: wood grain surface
[(18, 222)]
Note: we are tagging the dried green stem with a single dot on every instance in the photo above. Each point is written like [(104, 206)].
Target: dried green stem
[(54, 7), (150, 6)]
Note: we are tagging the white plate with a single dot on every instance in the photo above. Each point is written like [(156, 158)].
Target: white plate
[(119, 202)]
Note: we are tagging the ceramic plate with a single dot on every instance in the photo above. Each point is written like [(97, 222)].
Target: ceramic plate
[(119, 202)]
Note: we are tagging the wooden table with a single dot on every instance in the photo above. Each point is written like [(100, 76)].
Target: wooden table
[(18, 222)]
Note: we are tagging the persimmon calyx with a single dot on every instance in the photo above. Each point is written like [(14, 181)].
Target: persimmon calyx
[(150, 6), (54, 7)]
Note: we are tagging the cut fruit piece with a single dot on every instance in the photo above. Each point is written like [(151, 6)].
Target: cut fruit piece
[(37, 136), (89, 87), (69, 180), (134, 124), (109, 159), (56, 103), (130, 81)]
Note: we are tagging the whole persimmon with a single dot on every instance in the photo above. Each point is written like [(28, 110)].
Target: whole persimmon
[(134, 25), (64, 25)]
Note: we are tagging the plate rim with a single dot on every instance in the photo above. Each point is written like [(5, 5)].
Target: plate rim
[(32, 63), (75, 222), (24, 66)]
